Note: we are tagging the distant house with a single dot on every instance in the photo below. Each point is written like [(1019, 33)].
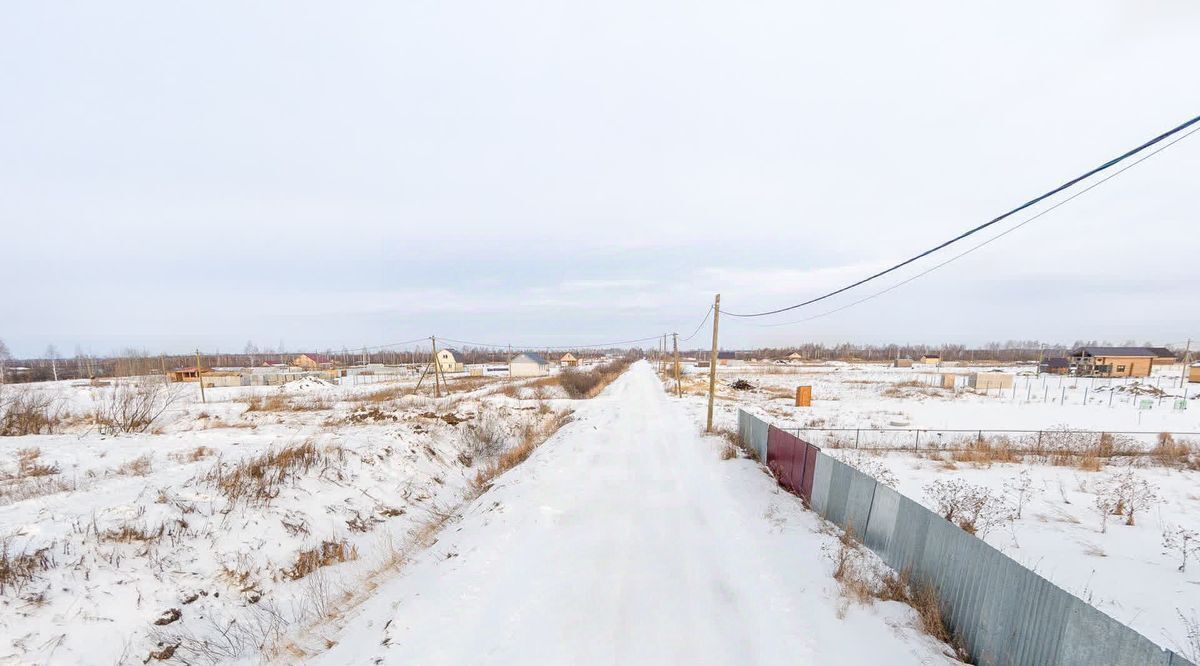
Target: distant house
[(1113, 361), (931, 359), (724, 357), (902, 363), (312, 361), (189, 374), (795, 356), (1055, 366), (568, 360), (450, 360), (528, 365)]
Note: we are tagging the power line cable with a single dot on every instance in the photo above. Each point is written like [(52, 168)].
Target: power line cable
[(990, 240), (1027, 204), (700, 325)]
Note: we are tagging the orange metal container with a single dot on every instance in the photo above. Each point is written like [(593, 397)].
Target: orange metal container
[(804, 396)]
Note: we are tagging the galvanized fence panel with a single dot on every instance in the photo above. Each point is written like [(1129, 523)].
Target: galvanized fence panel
[(822, 476), (1000, 611)]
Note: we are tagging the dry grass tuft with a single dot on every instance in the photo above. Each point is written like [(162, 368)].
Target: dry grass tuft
[(139, 466), (129, 533), (531, 438), (19, 569), (194, 455), (269, 403), (328, 553), (985, 451), (258, 479), (733, 442), (29, 464)]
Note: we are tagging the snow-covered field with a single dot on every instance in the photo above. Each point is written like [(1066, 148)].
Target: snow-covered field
[(1132, 572), (211, 531), (339, 523)]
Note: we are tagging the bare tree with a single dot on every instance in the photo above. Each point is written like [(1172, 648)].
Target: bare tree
[(5, 357), (52, 354)]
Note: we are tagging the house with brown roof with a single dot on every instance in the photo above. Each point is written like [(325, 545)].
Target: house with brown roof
[(1113, 361)]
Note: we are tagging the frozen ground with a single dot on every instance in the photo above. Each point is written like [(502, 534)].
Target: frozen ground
[(135, 543), (1125, 570), (626, 539)]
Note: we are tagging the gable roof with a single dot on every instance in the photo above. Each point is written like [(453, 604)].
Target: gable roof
[(529, 357), (1161, 352), (454, 354), (1114, 352), (568, 357), (317, 358)]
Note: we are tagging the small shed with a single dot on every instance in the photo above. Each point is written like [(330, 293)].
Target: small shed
[(312, 361), (450, 360), (568, 360), (528, 364), (983, 381), (1194, 373), (1056, 366), (931, 359), (902, 363), (189, 374)]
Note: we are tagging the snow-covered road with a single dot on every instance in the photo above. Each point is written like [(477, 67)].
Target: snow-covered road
[(625, 539)]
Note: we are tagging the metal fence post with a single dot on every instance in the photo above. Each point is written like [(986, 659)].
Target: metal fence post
[(917, 443), (857, 432)]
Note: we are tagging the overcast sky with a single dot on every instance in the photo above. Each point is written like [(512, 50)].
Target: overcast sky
[(175, 175)]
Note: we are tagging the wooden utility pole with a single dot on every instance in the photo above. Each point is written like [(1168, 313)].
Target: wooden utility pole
[(437, 368), (712, 362), (199, 377), (1183, 374), (675, 348)]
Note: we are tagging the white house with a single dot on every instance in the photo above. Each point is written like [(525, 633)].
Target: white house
[(449, 360), (528, 365)]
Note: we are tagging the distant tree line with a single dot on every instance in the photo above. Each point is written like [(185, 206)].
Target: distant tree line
[(134, 362)]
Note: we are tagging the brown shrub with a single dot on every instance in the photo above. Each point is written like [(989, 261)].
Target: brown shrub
[(329, 552), (134, 406), (1171, 453), (588, 383), (28, 412), (531, 438)]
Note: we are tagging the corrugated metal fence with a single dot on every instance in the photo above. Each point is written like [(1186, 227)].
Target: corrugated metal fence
[(1002, 612)]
